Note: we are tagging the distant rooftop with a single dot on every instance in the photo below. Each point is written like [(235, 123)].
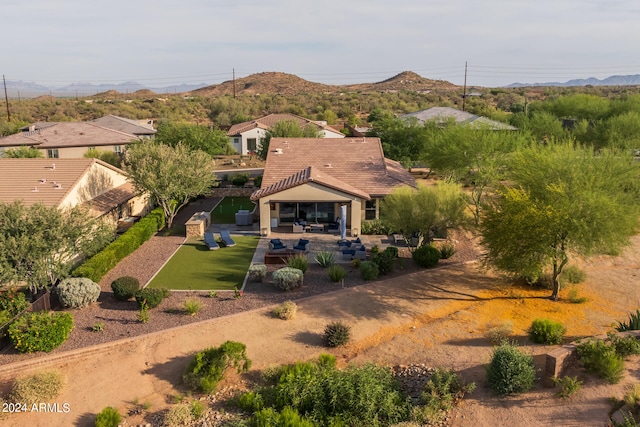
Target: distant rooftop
[(442, 114)]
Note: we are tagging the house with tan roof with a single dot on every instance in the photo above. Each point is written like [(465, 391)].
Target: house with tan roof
[(68, 140), (141, 128), (246, 137), (99, 186), (309, 179)]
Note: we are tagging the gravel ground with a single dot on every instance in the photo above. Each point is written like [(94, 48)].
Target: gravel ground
[(119, 317)]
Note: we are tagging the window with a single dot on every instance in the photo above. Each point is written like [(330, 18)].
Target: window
[(52, 153), (251, 144), (236, 141), (370, 209), (117, 149)]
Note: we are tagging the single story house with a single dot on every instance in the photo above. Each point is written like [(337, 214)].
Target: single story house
[(311, 178), (444, 114), (102, 188), (143, 129), (245, 137), (68, 140)]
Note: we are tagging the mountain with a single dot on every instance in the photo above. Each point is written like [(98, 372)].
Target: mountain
[(22, 89), (630, 80)]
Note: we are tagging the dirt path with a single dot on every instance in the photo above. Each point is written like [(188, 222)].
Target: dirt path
[(435, 317)]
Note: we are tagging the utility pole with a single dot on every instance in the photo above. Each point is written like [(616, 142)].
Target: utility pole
[(464, 90), (234, 83), (6, 98)]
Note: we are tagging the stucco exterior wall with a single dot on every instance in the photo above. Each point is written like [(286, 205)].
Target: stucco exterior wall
[(98, 180)]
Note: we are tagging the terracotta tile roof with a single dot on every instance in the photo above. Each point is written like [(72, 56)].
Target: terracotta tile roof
[(310, 174), (356, 162), (267, 122), (105, 202), (36, 180), (68, 134), (133, 127)]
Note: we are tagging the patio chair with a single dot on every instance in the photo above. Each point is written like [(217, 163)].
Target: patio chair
[(302, 245), (297, 228), (348, 253), (226, 238), (210, 241), (344, 244), (361, 253), (276, 244)]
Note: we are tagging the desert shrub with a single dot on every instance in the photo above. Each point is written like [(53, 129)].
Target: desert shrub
[(191, 306), (336, 334), (250, 401), (511, 371), (40, 387), (426, 256), (568, 386), (369, 270), (152, 296), (574, 298), (632, 397), (325, 258), (42, 331), (108, 417), (143, 315), (286, 311), (375, 249), (447, 250), (572, 274), (197, 409), (288, 278), (624, 346), (77, 292), (601, 358), (393, 250), (632, 325), (208, 366), (298, 261), (355, 263), (385, 260), (13, 302), (375, 226), (239, 179), (125, 287), (444, 389), (257, 273), (178, 415), (287, 417), (336, 273), (546, 331), (498, 333), (98, 327)]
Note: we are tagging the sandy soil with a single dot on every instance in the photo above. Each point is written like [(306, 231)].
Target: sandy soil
[(435, 317)]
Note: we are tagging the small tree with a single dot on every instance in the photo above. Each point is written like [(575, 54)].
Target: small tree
[(23, 153), (418, 212), (171, 175)]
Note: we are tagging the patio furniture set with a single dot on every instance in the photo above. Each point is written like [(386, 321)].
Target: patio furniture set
[(302, 245), (352, 249), (212, 244)]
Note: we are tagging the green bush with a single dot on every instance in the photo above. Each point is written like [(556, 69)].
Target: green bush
[(298, 261), (42, 331), (325, 258), (574, 298), (336, 273), (510, 371), (447, 250), (624, 346), (572, 274), (498, 333), (336, 334), (375, 226), (393, 250), (385, 260), (178, 415), (239, 179), (191, 306), (251, 401), (77, 292), (369, 270), (153, 296), (632, 325), (601, 358), (40, 387), (568, 386), (208, 366), (108, 417), (426, 256), (286, 311), (125, 287), (443, 390), (13, 302), (288, 417), (288, 278), (257, 273), (546, 331)]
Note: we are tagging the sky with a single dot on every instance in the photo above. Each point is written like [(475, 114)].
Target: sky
[(162, 42)]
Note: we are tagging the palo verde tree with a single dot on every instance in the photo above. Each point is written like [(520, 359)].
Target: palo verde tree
[(38, 244), (196, 137), (170, 175), (420, 211), (561, 199), (23, 152), (287, 129)]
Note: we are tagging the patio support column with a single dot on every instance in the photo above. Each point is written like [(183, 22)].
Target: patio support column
[(356, 217)]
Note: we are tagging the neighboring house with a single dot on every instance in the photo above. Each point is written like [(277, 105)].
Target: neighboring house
[(68, 140), (102, 188), (444, 114), (310, 178), (141, 128), (245, 137)]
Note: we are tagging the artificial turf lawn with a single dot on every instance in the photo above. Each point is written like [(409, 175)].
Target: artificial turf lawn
[(225, 211), (195, 267)]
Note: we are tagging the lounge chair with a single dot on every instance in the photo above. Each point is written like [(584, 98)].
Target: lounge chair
[(210, 241), (348, 253), (226, 238), (343, 244), (276, 244), (361, 253), (302, 245)]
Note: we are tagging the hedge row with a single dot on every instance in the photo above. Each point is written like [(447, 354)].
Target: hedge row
[(98, 265)]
